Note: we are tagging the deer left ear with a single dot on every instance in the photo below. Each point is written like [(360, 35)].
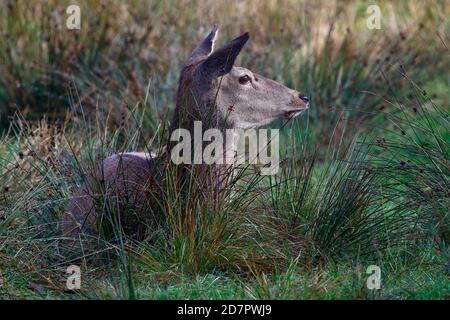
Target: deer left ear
[(207, 45), (222, 60)]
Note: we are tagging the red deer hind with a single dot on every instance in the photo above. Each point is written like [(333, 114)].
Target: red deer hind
[(209, 84)]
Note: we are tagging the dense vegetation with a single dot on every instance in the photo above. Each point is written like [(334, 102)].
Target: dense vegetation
[(365, 172)]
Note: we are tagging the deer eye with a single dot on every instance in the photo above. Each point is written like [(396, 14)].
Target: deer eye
[(244, 79)]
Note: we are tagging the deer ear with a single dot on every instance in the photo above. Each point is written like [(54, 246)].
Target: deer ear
[(222, 60), (207, 45)]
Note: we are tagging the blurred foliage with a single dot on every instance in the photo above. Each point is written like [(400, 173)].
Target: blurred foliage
[(322, 48)]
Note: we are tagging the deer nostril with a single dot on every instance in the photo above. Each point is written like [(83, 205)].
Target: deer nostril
[(303, 97)]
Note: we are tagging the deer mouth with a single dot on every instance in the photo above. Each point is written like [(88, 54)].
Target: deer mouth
[(293, 113), (298, 105)]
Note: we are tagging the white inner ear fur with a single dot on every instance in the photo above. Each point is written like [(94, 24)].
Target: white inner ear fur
[(213, 42)]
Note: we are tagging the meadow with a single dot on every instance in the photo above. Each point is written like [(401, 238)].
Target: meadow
[(364, 176)]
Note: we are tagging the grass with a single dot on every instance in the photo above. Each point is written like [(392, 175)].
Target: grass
[(340, 281), (364, 175)]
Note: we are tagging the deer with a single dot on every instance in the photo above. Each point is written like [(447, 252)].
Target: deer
[(211, 89)]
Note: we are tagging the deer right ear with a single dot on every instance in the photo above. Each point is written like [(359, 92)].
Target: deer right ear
[(222, 60)]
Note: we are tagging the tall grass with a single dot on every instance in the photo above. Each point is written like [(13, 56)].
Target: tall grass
[(353, 205), (413, 158), (363, 179)]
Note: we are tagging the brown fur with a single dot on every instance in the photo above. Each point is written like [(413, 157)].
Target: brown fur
[(209, 84)]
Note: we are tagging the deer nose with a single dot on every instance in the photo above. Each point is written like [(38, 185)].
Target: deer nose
[(303, 98)]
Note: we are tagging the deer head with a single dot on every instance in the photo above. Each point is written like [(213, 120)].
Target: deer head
[(213, 90)]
